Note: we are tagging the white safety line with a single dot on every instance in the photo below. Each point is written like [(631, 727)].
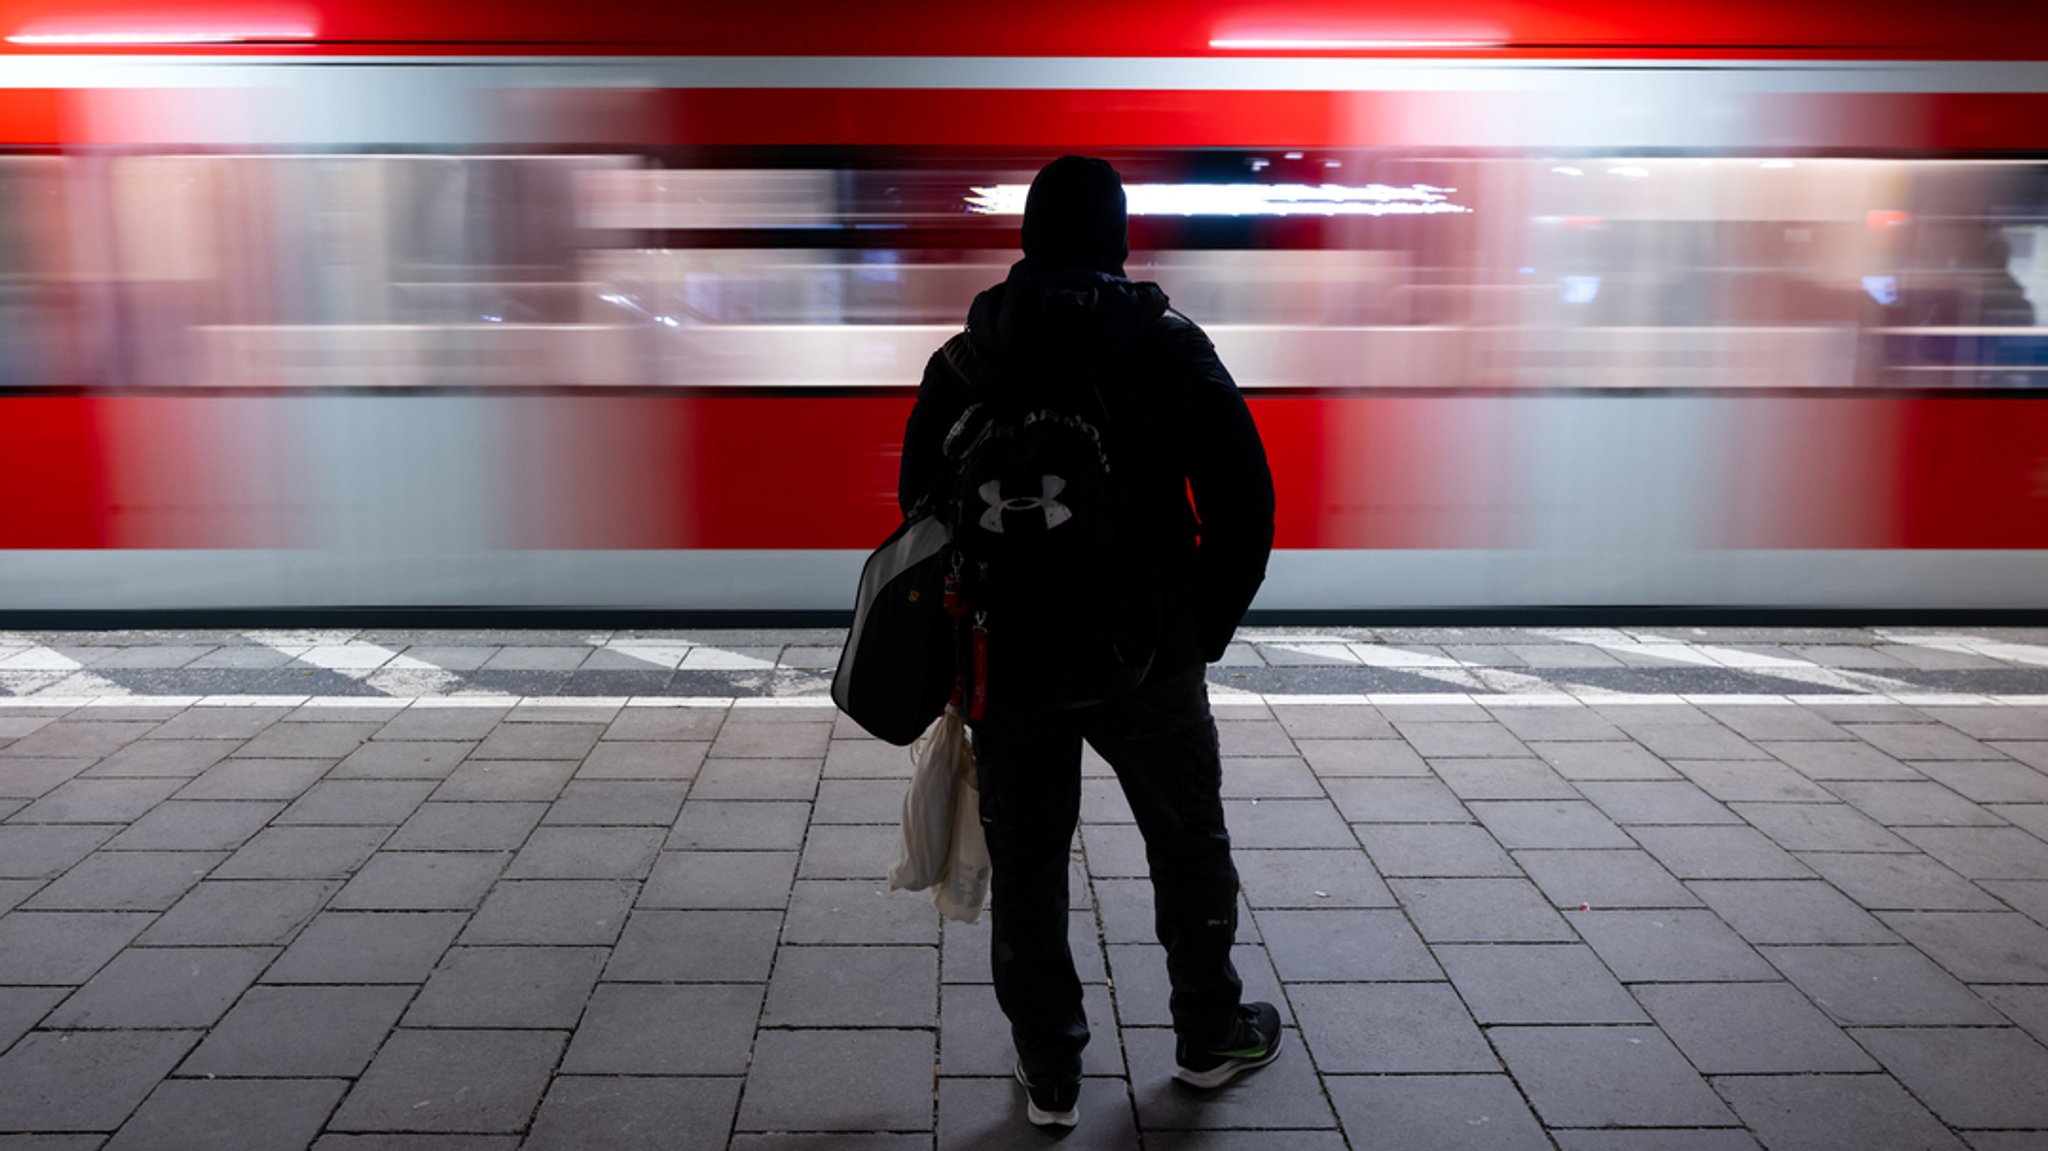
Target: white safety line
[(1219, 697)]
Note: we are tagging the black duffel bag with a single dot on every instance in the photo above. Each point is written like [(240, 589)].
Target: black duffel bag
[(897, 670)]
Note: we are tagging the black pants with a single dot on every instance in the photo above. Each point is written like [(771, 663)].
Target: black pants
[(1161, 741)]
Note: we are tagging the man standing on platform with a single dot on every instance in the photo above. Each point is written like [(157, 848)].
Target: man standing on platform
[(1203, 501)]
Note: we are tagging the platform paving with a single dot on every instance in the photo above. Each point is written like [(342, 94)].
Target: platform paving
[(1805, 907)]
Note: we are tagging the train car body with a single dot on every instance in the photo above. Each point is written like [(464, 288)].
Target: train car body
[(366, 305)]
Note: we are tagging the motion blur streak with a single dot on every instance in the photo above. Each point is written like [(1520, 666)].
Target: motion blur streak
[(1654, 320)]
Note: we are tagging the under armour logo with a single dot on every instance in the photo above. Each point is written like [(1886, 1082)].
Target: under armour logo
[(1056, 513)]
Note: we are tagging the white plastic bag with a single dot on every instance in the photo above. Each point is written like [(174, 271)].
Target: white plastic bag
[(960, 894), (929, 806)]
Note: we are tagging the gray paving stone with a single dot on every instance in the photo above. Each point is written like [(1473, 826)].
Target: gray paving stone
[(557, 912), (539, 741), (696, 947), (678, 1029), (236, 723), (507, 780), (162, 988), (240, 912), (860, 801), (1548, 823), (1969, 1076), (248, 1116), (1557, 723), (849, 852), (839, 1081), (740, 880), (1212, 1140), (1775, 722), (772, 740), (164, 758), (467, 1081), (1751, 1029), (1656, 1139), (98, 801), (2033, 753), (2007, 1140), (14, 891), (1602, 761), (46, 852), (2019, 723), (126, 881), (592, 1113), (1669, 946), (1603, 878), (974, 1037), (853, 987), (587, 853), (1361, 757), (1983, 852), (21, 1008), (790, 779), (299, 1032), (1719, 853), (290, 740), (1461, 740), (1435, 851), (367, 947), (1731, 781), (386, 758), (303, 853), (85, 1080), (1285, 1094), (532, 987), (856, 911), (1373, 1028), (46, 948), (1480, 911), (1881, 987), (1113, 850), (422, 881), (1790, 911), (816, 1141), (25, 779), (83, 738), (1269, 777), (1696, 741), (846, 759), (643, 759), (195, 825), (1435, 1113), (1536, 983), (2029, 897), (1825, 1112), (1607, 1076), (683, 723), (1899, 882), (1501, 779), (2024, 1004), (2033, 817), (1675, 801), (1918, 741), (442, 723), (1396, 801), (437, 826), (1310, 878), (1824, 762), (1345, 946), (618, 803), (1254, 736), (1975, 947), (1820, 827), (1286, 823), (254, 779), (1340, 721), (386, 802)]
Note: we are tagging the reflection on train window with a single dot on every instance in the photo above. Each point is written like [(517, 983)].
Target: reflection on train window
[(1427, 272)]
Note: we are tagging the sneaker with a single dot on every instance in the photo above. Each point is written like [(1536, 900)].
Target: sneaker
[(1051, 1104), (1254, 1041)]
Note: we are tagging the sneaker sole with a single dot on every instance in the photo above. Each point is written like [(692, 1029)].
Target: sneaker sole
[(1224, 1073), (1050, 1118)]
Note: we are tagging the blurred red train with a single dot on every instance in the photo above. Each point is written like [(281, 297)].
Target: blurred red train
[(350, 304)]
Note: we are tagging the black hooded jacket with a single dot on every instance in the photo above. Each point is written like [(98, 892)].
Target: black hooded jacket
[(1175, 416)]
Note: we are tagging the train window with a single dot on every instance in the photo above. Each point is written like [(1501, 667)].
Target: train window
[(1358, 270)]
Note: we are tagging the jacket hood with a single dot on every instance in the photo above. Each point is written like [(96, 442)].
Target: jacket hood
[(1042, 315)]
